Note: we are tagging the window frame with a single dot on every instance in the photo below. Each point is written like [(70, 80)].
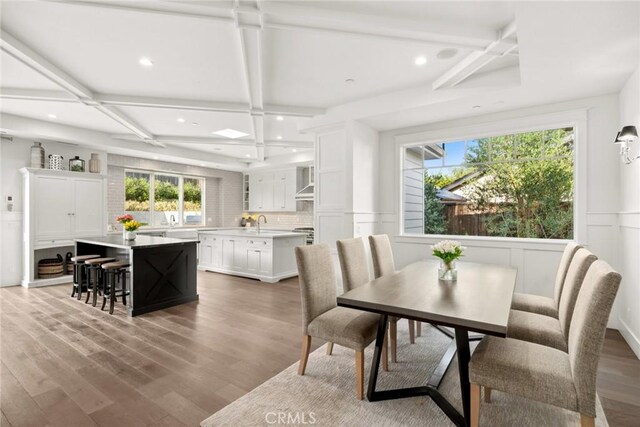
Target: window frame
[(577, 119), (152, 194)]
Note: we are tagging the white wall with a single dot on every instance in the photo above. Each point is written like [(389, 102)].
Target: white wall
[(536, 260), (629, 220), (14, 155)]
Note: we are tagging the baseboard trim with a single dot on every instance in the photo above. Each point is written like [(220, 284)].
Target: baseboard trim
[(629, 337)]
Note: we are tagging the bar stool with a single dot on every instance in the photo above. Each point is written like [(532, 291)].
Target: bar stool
[(80, 273), (94, 277), (114, 272)]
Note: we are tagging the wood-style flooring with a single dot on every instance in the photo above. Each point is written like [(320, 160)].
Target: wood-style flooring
[(66, 363)]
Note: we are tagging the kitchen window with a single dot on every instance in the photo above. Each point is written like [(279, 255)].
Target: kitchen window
[(160, 199), (512, 185)]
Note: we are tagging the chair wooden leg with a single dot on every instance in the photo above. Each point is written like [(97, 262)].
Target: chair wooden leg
[(475, 405), (385, 352), (412, 331), (360, 375), (393, 340), (587, 421), (487, 394), (329, 348), (418, 329), (304, 356)]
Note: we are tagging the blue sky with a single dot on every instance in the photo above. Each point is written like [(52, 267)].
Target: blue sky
[(454, 156)]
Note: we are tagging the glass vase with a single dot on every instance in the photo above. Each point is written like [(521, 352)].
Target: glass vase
[(447, 271)]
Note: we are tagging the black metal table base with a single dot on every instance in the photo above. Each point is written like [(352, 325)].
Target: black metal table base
[(459, 345)]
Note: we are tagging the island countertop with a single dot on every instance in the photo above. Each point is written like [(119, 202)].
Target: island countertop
[(116, 241), (269, 234)]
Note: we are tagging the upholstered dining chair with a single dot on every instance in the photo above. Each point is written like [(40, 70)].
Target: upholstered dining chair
[(355, 272), (549, 375), (545, 305), (322, 318), (383, 264), (547, 330)]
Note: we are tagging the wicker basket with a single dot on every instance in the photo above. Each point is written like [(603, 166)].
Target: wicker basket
[(51, 267), (69, 263)]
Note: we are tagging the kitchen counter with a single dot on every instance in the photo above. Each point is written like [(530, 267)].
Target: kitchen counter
[(268, 234), (141, 241), (163, 271), (268, 256)]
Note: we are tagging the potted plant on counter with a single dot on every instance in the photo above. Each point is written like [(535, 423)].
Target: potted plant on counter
[(130, 228), (122, 219)]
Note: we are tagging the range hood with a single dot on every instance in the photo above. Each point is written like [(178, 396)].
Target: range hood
[(306, 193)]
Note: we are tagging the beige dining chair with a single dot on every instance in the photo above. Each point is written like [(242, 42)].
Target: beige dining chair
[(547, 330), (322, 318), (545, 374), (355, 272), (383, 264), (545, 305)]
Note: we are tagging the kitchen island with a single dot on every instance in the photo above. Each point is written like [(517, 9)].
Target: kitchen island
[(268, 256), (163, 270)]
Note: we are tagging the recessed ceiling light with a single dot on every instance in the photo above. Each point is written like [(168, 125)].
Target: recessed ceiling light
[(447, 53), (279, 137), (180, 120), (201, 164), (145, 62), (248, 155), (349, 81), (194, 124), (294, 150), (156, 158), (52, 116), (279, 118), (230, 133), (420, 60)]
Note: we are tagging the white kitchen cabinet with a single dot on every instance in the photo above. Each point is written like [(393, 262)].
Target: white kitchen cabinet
[(59, 206), (273, 191), (267, 256)]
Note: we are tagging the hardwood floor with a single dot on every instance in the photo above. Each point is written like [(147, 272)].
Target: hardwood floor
[(66, 363)]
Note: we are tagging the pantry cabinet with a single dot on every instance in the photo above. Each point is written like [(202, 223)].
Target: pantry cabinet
[(59, 206)]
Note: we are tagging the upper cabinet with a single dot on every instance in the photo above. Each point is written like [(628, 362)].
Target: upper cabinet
[(273, 191)]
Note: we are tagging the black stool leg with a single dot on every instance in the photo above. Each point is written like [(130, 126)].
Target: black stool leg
[(91, 271), (97, 285), (124, 287), (75, 280), (83, 278), (112, 291)]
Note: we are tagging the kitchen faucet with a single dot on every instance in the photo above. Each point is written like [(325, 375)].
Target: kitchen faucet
[(258, 222)]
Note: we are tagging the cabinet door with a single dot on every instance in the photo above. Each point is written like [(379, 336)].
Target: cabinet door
[(239, 256), (253, 261), (265, 267), (290, 191), (254, 191), (88, 207), (206, 251), (279, 191), (228, 249), (53, 206), (216, 252)]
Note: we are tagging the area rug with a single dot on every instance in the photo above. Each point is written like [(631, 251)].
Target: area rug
[(325, 395)]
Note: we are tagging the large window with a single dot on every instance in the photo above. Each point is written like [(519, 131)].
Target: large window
[(516, 185), (163, 199)]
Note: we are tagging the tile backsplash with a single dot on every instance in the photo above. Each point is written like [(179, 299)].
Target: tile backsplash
[(303, 217)]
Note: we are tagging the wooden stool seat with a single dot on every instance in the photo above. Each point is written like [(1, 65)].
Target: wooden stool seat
[(116, 265), (83, 258), (103, 260), (80, 273), (95, 279)]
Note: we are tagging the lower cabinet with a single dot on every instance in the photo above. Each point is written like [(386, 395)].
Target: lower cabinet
[(267, 259)]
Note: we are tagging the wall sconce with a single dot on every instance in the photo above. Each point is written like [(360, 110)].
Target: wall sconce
[(624, 138)]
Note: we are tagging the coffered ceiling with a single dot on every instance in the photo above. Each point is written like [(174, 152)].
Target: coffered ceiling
[(273, 69)]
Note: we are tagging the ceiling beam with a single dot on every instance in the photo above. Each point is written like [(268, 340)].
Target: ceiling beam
[(37, 95), (248, 20), (475, 61), (47, 69), (32, 128), (304, 18)]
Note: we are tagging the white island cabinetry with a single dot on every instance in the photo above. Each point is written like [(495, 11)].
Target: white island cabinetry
[(268, 256)]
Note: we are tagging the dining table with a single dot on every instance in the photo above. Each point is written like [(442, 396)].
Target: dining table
[(479, 302)]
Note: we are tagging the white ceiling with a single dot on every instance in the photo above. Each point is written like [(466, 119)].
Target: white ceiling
[(223, 66)]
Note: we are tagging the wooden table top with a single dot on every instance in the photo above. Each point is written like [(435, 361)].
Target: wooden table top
[(479, 300)]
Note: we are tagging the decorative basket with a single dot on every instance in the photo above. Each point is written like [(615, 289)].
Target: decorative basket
[(51, 267), (68, 262), (55, 162), (37, 155)]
